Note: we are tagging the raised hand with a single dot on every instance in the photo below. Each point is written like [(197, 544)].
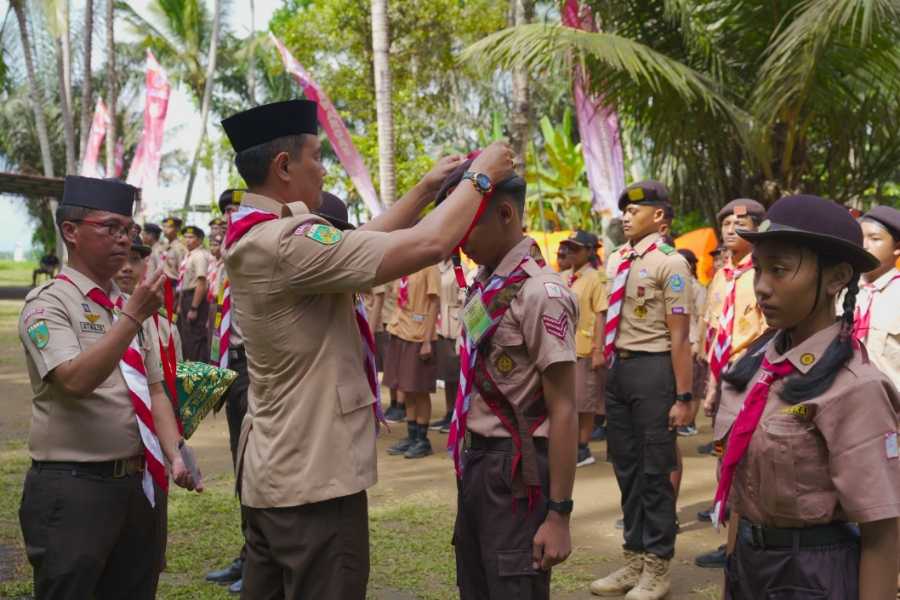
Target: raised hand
[(147, 297), (496, 161)]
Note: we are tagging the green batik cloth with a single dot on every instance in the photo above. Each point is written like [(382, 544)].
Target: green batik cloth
[(200, 386)]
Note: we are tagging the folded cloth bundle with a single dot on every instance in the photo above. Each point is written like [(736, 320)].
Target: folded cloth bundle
[(199, 386)]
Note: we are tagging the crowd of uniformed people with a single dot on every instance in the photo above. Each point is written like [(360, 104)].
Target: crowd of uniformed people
[(793, 349)]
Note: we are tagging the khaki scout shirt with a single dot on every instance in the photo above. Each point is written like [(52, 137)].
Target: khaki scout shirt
[(698, 308), (832, 458), (59, 322), (883, 341), (452, 298), (408, 322), (659, 284), (170, 255), (749, 322), (309, 433), (590, 290), (197, 267), (524, 345)]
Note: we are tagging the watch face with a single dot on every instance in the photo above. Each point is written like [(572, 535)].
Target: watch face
[(483, 181)]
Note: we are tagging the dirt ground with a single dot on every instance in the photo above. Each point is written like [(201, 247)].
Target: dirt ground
[(596, 494)]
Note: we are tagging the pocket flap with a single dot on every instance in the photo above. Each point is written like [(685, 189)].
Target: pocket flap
[(354, 395), (514, 563)]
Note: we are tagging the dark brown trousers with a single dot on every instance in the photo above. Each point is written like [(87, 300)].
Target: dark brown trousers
[(90, 537), (194, 334), (318, 550), (493, 533)]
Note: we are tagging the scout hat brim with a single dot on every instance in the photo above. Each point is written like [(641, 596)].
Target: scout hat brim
[(140, 248), (334, 211), (858, 258)]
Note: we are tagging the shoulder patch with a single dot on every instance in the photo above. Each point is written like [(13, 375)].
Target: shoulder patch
[(553, 290), (676, 283), (324, 234), (39, 334), (666, 249)]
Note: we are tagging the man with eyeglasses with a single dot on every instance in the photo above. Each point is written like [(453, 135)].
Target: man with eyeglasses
[(103, 436)]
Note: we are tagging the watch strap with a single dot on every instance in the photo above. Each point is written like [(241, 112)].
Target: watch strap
[(563, 507)]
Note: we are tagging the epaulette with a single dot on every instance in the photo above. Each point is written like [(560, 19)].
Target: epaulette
[(37, 291), (666, 249)]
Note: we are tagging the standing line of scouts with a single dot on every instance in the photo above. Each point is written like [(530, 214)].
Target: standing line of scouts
[(793, 349)]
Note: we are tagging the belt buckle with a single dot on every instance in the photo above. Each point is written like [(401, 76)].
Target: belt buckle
[(757, 536), (624, 354), (120, 469)]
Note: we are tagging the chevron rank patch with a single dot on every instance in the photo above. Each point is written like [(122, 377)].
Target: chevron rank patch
[(558, 326)]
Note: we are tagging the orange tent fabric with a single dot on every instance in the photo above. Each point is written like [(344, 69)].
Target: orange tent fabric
[(701, 242)]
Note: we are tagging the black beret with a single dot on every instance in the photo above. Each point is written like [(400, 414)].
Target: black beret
[(334, 211), (216, 221), (230, 197), (138, 246), (173, 220), (99, 194), (888, 217), (269, 122), (817, 222), (741, 207), (193, 230), (647, 192), (585, 239), (153, 228)]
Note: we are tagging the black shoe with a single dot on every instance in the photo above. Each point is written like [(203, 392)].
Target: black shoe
[(227, 575), (705, 448), (705, 515), (395, 414), (585, 457), (236, 587), (420, 449), (406, 443), (712, 560), (599, 433), (440, 424)]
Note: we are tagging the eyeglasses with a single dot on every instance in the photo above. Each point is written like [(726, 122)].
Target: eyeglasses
[(113, 228)]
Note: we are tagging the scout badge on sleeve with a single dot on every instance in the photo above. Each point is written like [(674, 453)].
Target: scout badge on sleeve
[(39, 334)]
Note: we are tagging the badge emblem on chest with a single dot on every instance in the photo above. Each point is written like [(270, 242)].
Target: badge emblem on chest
[(92, 317), (505, 364), (640, 311)]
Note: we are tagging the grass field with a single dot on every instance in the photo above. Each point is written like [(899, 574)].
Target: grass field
[(16, 274)]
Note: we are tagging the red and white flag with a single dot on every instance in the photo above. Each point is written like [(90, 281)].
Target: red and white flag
[(99, 125), (144, 170)]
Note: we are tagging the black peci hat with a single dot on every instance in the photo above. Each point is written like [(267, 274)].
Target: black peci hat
[(511, 185), (334, 211), (231, 197), (269, 122), (153, 228), (647, 192), (138, 246), (886, 216), (817, 222), (741, 207), (193, 230), (99, 194), (585, 239), (216, 221), (174, 221)]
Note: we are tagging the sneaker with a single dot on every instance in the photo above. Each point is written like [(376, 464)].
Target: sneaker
[(395, 414), (440, 424), (621, 581), (585, 457), (599, 433), (712, 560), (236, 587), (705, 515), (228, 574), (705, 448), (420, 449), (655, 581), (688, 431)]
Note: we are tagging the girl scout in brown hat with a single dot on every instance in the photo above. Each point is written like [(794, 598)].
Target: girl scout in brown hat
[(814, 447)]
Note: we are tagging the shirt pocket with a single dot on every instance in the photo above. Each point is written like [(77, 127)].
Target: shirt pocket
[(796, 463), (353, 396)]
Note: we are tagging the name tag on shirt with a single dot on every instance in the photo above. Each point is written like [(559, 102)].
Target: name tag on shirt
[(418, 318), (890, 445), (476, 319)]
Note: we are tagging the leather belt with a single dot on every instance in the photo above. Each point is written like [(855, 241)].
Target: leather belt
[(627, 354), (762, 536), (475, 441), (110, 469)]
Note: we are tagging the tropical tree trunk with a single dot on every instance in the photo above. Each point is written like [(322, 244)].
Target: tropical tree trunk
[(383, 103), (87, 82), (65, 93), (111, 88), (251, 68), (520, 13), (207, 98)]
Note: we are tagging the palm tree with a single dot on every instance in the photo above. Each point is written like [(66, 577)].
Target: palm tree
[(383, 105), (521, 13), (87, 91), (111, 91), (57, 18), (749, 99)]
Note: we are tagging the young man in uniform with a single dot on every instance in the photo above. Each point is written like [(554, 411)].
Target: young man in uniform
[(150, 237), (589, 286), (411, 366), (102, 428), (216, 226), (192, 305), (310, 353), (514, 430), (648, 394), (170, 250)]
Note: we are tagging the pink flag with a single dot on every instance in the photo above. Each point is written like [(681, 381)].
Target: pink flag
[(335, 130), (598, 125), (144, 170), (95, 139)]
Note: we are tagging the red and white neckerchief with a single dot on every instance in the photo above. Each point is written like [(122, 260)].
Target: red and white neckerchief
[(212, 277), (182, 269), (403, 292), (468, 355), (862, 316), (239, 223), (223, 322), (617, 299), (720, 352), (573, 278), (131, 365), (742, 431)]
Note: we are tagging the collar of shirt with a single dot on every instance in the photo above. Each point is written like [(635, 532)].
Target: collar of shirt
[(805, 355), (271, 205), (584, 270), (642, 246), (509, 262), (85, 285), (882, 282)]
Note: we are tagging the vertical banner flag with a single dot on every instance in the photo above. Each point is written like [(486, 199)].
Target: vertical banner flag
[(598, 125), (120, 158), (95, 140), (335, 130), (144, 171)]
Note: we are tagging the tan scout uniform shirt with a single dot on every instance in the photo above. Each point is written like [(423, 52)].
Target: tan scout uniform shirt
[(883, 341), (309, 433), (408, 322), (368, 299), (452, 298), (698, 308), (523, 341), (197, 267), (590, 291), (749, 322), (832, 458), (59, 322), (658, 285), (170, 255)]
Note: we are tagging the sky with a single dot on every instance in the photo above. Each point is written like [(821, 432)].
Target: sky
[(182, 118)]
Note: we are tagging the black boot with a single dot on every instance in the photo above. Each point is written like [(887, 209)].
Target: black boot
[(422, 447), (405, 444)]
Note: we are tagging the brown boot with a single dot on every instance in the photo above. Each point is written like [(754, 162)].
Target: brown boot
[(619, 582), (655, 581)]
